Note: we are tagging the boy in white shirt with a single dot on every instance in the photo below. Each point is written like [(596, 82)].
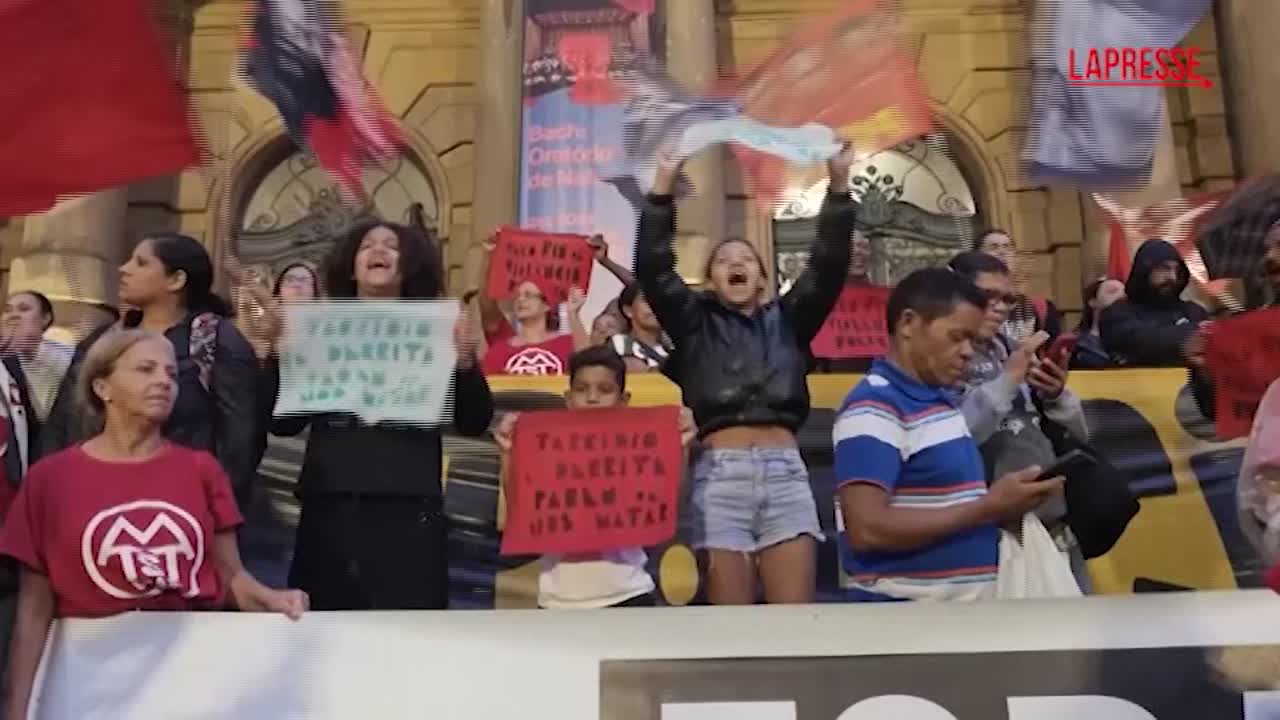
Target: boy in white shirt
[(615, 578)]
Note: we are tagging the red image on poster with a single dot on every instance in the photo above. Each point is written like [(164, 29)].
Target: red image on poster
[(856, 327), (1243, 355), (556, 262), (585, 481)]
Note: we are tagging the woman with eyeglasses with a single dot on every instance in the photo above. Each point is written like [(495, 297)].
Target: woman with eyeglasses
[(1011, 395), (531, 343)]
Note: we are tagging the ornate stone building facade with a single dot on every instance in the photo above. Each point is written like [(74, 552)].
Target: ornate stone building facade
[(450, 70)]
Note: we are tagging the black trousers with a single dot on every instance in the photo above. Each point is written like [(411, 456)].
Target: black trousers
[(357, 552)]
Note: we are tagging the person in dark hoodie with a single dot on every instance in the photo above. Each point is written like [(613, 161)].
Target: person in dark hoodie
[(741, 361), (1153, 326), (373, 534)]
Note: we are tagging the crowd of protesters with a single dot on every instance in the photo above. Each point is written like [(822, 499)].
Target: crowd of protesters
[(161, 417)]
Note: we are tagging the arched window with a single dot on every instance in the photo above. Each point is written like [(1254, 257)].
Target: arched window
[(913, 202), (294, 213)]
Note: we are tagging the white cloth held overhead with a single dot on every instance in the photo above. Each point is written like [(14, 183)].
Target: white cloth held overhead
[(806, 145)]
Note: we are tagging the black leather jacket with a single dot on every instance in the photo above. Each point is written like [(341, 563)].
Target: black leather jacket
[(736, 369)]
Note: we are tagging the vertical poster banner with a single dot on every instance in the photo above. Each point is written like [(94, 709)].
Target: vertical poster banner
[(572, 131)]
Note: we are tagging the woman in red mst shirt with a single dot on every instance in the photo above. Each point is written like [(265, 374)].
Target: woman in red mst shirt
[(127, 520), (532, 345)]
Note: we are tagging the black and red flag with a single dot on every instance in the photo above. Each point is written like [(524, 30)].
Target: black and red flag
[(299, 59), (88, 100)]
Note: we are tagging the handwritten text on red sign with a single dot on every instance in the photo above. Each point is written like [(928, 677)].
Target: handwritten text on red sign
[(555, 261), (593, 480), (856, 327)]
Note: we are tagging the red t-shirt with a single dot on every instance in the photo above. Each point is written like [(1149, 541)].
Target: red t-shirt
[(504, 332), (114, 537), (546, 358)]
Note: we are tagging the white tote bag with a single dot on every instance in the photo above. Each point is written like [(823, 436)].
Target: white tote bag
[(1034, 568)]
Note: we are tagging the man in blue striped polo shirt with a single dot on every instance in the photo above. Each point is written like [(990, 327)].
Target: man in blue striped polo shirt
[(920, 521)]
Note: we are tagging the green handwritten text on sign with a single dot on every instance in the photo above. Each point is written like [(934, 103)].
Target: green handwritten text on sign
[(381, 361)]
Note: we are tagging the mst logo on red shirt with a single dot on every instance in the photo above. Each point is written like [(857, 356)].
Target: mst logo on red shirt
[(547, 358), (144, 548), (119, 536)]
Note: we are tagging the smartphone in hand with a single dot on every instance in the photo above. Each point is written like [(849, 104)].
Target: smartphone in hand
[(1070, 464), (1062, 348)]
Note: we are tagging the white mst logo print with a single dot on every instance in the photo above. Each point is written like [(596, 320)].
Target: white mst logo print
[(157, 558), (534, 361)]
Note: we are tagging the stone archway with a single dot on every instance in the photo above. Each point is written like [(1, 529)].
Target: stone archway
[(291, 211), (915, 202)]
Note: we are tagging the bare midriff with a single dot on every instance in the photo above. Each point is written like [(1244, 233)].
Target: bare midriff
[(746, 437)]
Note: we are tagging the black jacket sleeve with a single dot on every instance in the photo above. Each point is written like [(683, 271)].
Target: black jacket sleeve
[(472, 402), (280, 426), (815, 292), (237, 430), (674, 304), (1126, 334)]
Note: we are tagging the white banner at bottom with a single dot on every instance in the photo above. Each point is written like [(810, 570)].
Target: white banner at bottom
[(1144, 657)]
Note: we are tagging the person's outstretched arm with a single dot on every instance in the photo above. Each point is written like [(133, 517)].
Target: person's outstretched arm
[(815, 292), (601, 248), (674, 304), (493, 321)]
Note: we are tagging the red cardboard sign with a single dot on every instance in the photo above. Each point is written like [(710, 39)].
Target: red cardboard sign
[(1243, 355), (555, 262), (856, 327), (585, 481)]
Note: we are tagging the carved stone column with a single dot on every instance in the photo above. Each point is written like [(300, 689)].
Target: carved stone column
[(691, 60), (1247, 32), (497, 168), (71, 254)]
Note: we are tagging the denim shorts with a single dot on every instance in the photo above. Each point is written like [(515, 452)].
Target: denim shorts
[(748, 500)]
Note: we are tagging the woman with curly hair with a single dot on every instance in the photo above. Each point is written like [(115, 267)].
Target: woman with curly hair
[(373, 533)]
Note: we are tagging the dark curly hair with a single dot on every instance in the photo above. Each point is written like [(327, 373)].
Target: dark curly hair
[(421, 267)]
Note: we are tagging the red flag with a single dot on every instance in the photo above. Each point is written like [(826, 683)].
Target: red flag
[(848, 70), (89, 101), (1243, 357)]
